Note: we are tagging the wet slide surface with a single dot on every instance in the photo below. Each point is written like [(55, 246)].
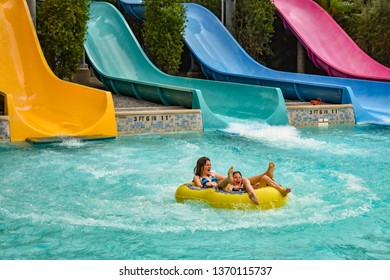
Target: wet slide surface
[(124, 68), (328, 45), (38, 104)]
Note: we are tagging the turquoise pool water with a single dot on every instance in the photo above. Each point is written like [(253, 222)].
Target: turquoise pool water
[(115, 199)]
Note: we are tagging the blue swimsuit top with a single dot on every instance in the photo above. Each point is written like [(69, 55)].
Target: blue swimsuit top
[(205, 181)]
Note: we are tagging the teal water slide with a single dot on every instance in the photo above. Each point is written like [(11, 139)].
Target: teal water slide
[(120, 63)]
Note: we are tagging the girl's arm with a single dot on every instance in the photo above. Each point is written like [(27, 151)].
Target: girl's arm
[(218, 176), (197, 181)]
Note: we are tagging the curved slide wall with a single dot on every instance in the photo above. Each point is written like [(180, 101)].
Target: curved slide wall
[(222, 58), (327, 44), (124, 68), (39, 104)]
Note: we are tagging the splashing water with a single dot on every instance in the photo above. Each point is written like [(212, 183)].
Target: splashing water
[(115, 199)]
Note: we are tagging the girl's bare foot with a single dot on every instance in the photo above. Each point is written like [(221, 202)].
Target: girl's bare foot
[(285, 191), (230, 171), (230, 174), (270, 170)]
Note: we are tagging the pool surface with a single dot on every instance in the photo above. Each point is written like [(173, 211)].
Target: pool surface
[(115, 199)]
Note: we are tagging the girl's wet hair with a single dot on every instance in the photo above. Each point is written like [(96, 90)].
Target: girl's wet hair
[(235, 172), (199, 165)]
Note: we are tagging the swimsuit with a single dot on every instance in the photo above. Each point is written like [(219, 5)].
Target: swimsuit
[(240, 189), (205, 181)]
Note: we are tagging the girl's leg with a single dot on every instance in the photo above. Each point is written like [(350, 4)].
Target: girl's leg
[(269, 172), (251, 192), (265, 180), (223, 184)]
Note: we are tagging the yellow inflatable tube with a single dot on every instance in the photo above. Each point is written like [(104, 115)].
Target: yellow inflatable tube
[(268, 197)]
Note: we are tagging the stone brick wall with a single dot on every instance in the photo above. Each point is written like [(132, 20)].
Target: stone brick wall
[(311, 115)]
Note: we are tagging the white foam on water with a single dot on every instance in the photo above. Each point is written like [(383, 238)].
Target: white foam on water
[(72, 143), (155, 211), (353, 184), (102, 172), (131, 187), (287, 137)]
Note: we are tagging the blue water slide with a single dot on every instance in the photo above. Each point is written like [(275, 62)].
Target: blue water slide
[(222, 58), (134, 8)]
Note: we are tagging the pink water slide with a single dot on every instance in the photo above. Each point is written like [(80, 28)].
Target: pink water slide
[(327, 44)]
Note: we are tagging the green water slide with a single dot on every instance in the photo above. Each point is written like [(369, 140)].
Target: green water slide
[(120, 63)]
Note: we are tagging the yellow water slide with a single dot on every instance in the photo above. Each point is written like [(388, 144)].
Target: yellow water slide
[(39, 104)]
